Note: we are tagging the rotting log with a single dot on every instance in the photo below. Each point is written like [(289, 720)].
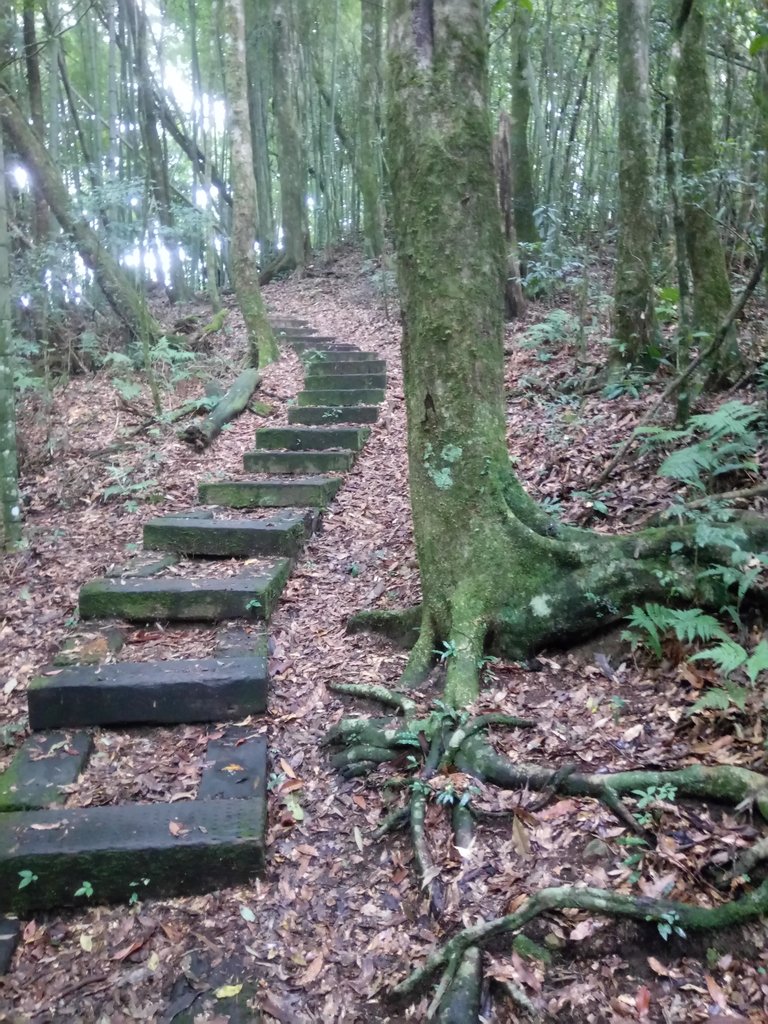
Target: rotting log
[(204, 431)]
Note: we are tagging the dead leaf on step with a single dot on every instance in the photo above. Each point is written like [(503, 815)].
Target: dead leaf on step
[(177, 829)]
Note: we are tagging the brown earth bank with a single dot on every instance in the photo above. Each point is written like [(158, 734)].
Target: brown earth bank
[(338, 917)]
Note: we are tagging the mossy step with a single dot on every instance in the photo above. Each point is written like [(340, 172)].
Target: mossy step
[(251, 595), (302, 337), (337, 367), (312, 439), (43, 764), (344, 381), (10, 933), (235, 767), (298, 462), (352, 355), (338, 396), (157, 692), (281, 534), (277, 321), (302, 345), (78, 857), (322, 415), (311, 491)]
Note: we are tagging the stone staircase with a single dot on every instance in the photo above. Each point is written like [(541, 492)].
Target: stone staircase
[(51, 856)]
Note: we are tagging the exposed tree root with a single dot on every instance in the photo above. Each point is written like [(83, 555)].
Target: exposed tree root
[(683, 916), (457, 740)]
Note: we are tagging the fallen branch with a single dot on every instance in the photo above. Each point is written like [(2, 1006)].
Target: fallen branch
[(203, 431)]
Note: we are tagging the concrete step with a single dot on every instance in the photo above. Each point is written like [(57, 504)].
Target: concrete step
[(293, 337), (95, 855), (43, 764), (322, 415), (156, 692), (335, 356), (304, 346), (10, 933), (235, 766), (298, 462), (311, 439), (306, 492), (344, 381), (339, 396), (277, 322), (251, 595), (337, 367), (282, 534)]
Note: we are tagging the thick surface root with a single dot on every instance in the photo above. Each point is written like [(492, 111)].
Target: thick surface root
[(683, 916)]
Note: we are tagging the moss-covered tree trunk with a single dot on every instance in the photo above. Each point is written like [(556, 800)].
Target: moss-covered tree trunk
[(634, 319), (258, 22), (10, 502), (369, 160), (522, 172), (706, 257), (291, 161), (262, 347), (494, 567), (125, 301)]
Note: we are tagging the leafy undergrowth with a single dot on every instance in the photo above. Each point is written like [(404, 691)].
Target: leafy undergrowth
[(338, 917)]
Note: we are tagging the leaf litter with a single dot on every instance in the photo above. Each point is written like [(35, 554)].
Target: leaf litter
[(339, 917)]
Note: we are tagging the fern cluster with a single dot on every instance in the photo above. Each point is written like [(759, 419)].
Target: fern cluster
[(713, 444)]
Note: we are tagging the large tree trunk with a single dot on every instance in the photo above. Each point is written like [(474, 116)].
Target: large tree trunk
[(493, 565), (634, 320), (262, 346), (124, 300), (711, 289), (10, 502), (258, 48)]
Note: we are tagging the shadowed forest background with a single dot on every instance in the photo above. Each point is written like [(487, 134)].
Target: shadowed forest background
[(543, 227)]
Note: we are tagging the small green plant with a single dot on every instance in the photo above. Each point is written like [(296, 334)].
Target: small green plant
[(667, 923), (558, 327), (618, 707), (134, 897), (27, 878), (253, 605), (448, 651), (665, 793), (275, 780), (634, 860), (86, 889)]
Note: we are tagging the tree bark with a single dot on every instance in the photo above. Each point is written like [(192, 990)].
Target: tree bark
[(634, 318), (124, 300), (10, 500), (262, 346), (494, 567), (369, 164), (706, 257), (290, 150), (525, 204)]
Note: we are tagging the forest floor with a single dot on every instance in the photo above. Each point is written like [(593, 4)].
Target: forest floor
[(339, 917)]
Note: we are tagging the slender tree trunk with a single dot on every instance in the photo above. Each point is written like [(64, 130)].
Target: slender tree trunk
[(123, 299), (10, 500), (369, 139), (258, 49), (262, 346), (290, 150), (525, 203), (634, 321), (711, 289), (514, 301)]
